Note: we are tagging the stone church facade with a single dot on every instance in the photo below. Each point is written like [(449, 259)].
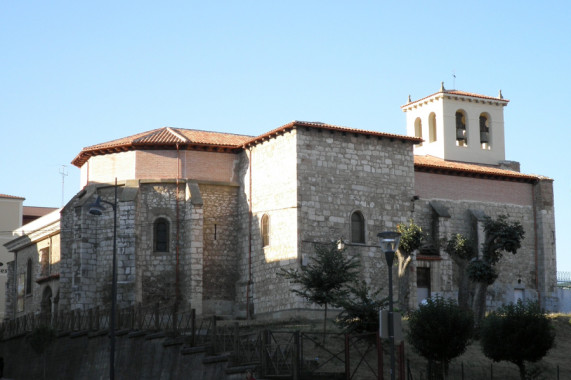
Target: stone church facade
[(206, 220)]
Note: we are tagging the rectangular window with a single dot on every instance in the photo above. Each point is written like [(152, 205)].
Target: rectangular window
[(422, 284)]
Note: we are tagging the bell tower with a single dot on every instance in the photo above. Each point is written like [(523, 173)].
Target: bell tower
[(458, 126)]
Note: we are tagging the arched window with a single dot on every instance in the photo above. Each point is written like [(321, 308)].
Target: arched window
[(418, 129), (432, 127), (29, 277), (265, 230), (485, 131), (161, 238), (357, 228), (461, 135)]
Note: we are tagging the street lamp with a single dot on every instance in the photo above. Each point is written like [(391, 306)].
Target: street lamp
[(389, 241), (97, 209)]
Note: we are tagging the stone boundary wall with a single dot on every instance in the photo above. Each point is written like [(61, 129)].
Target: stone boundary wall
[(83, 356)]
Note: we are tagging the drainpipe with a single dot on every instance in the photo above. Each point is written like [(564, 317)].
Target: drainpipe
[(177, 270), (248, 286)]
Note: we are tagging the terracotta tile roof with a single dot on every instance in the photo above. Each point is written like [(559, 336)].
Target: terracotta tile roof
[(163, 137), (319, 125), (437, 165), (37, 211), (195, 139), (10, 196), (459, 93)]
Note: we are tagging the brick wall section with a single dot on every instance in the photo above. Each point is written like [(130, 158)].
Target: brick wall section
[(161, 164), (104, 169), (436, 186), (156, 164)]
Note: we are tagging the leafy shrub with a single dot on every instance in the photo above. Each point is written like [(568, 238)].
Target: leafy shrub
[(460, 247), (517, 333), (440, 331), (481, 271), (360, 309)]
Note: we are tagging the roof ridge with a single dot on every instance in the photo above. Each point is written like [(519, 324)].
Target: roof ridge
[(177, 134)]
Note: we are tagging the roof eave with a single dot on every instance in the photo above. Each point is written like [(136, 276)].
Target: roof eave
[(475, 173), (334, 128)]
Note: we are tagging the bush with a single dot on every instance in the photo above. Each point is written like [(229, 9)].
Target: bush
[(440, 331), (360, 309), (517, 333)]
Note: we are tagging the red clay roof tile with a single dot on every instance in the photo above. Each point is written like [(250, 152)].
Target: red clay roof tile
[(434, 164), (10, 196), (170, 137), (163, 137), (331, 127)]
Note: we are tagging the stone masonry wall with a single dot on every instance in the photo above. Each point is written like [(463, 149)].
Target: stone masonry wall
[(221, 249), (515, 271), (274, 193), (340, 173), (87, 250)]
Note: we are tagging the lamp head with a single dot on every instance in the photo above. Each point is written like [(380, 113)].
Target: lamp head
[(389, 241), (96, 208)]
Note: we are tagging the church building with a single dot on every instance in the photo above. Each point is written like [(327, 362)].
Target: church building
[(206, 220)]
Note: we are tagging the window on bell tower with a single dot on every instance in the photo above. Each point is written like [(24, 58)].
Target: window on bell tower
[(432, 127), (461, 134), (485, 131), (418, 129)]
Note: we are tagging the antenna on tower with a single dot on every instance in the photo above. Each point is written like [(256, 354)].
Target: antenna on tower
[(63, 173)]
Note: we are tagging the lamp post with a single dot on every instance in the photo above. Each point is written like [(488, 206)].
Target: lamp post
[(97, 209), (389, 241)]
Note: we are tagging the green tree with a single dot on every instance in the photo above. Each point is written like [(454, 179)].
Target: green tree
[(461, 250), (440, 330), (502, 236), (411, 239), (324, 279), (517, 333), (360, 309)]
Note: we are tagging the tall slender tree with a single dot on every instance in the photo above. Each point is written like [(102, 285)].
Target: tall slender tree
[(461, 250), (325, 278), (502, 235), (411, 239)]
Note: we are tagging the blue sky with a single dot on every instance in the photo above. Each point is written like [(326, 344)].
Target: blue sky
[(75, 73)]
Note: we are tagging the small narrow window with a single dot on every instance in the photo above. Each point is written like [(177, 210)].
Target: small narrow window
[(29, 277), (357, 228), (265, 230), (461, 135), (162, 235), (484, 131), (418, 129), (432, 127)]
